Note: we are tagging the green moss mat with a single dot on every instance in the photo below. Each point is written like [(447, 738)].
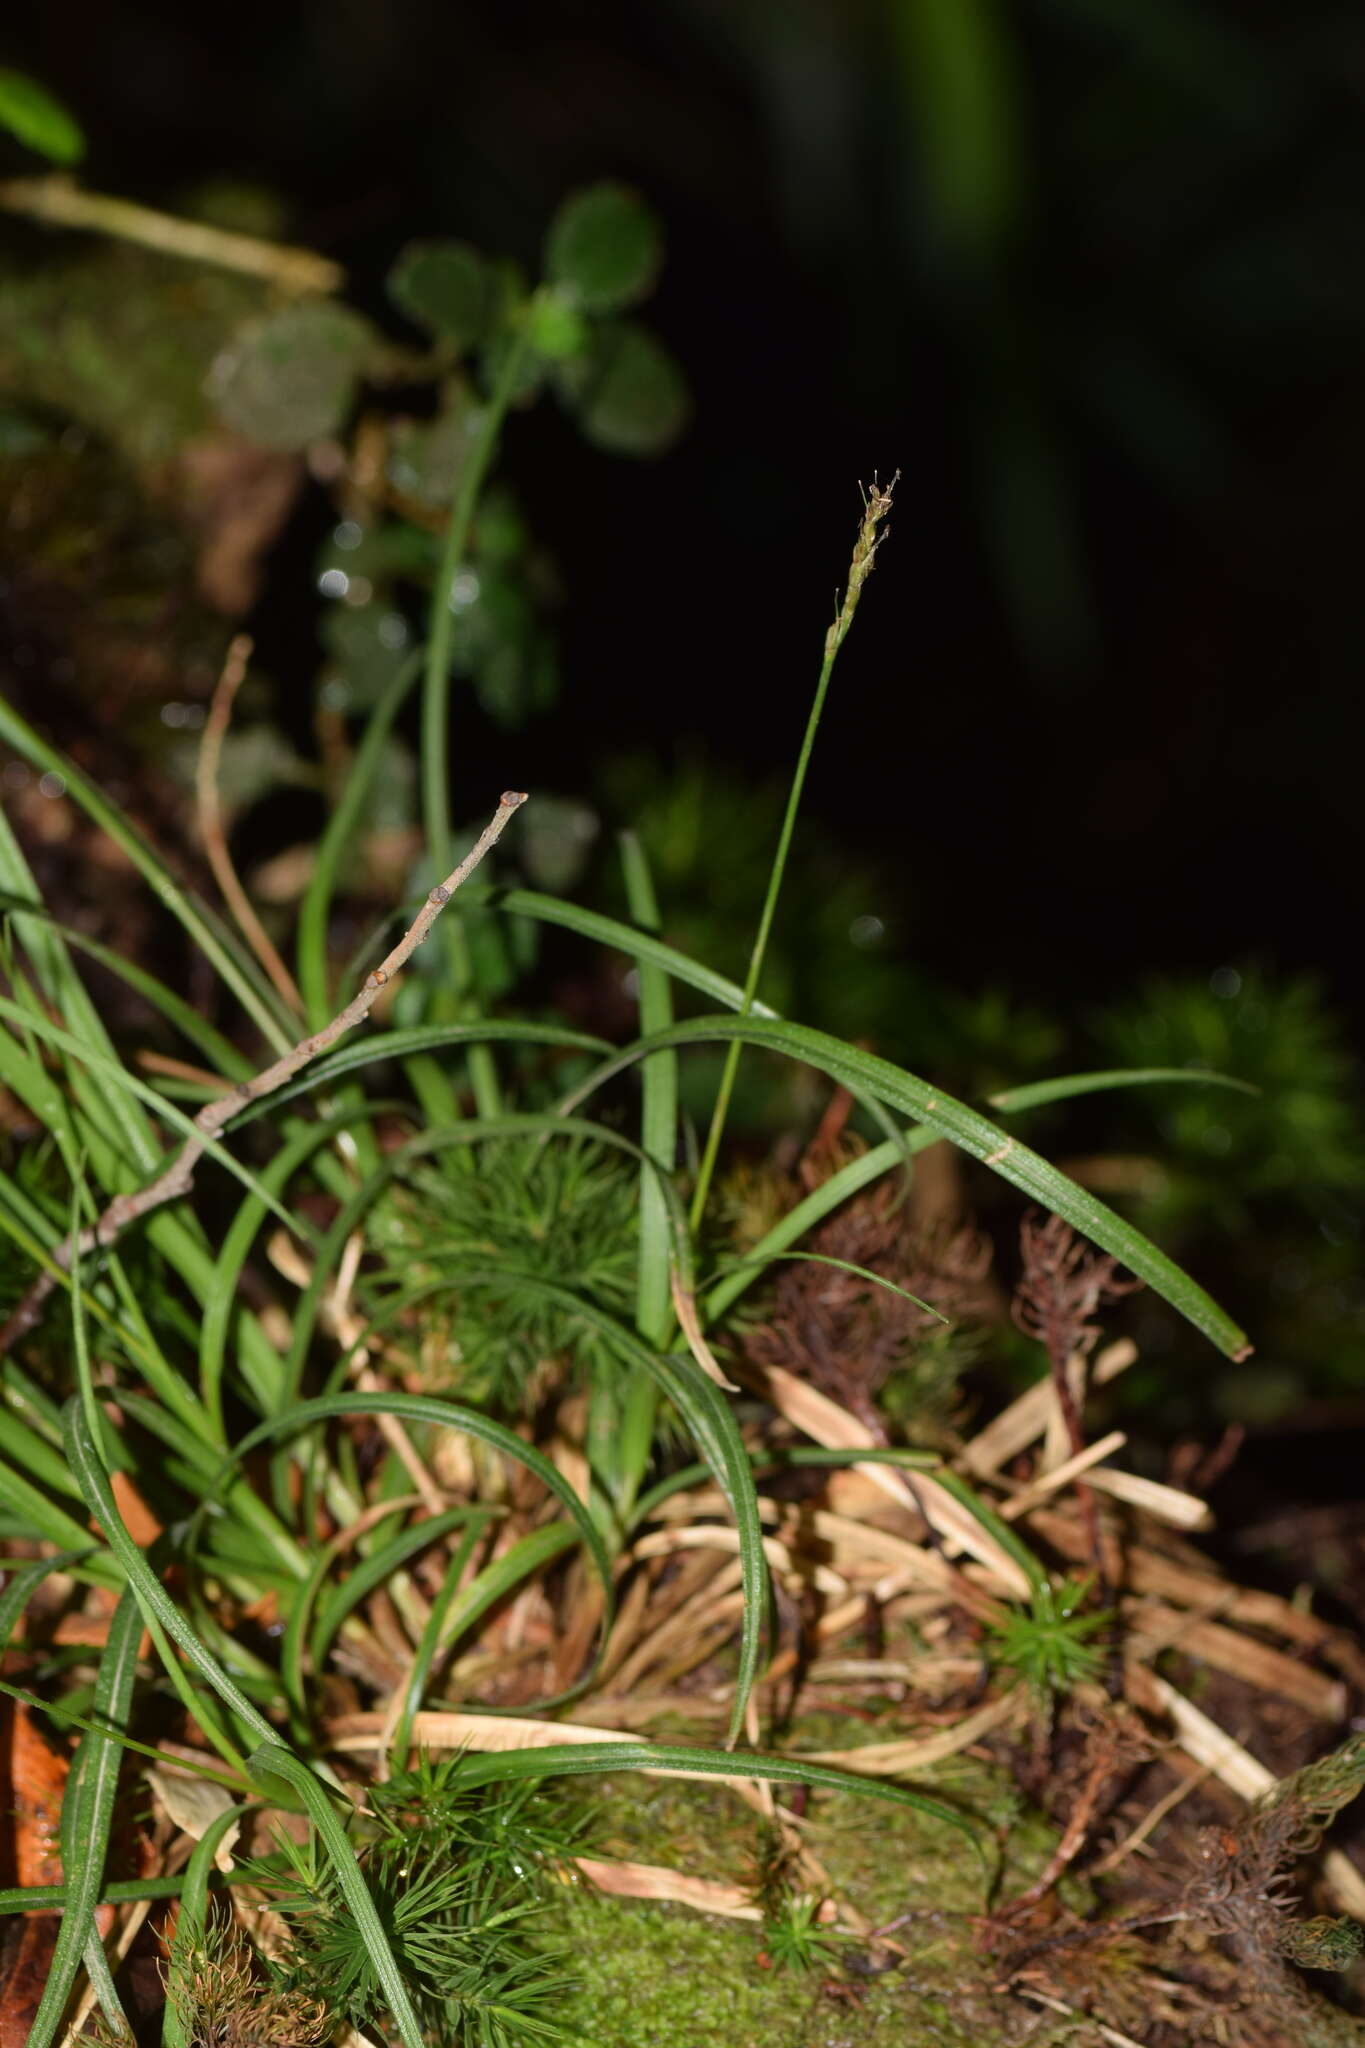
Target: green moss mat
[(662, 1976)]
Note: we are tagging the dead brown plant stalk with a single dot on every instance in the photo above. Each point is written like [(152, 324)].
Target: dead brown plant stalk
[(214, 832), (1062, 1286)]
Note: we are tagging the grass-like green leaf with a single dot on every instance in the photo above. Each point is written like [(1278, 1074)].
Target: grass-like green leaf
[(624, 938), (371, 1571), (37, 1898), (973, 1133), (528, 1555), (47, 1522), (156, 1603), (88, 1811), (438, 1414), (25, 1582), (1062, 1087), (116, 1075), (703, 1409), (590, 1759), (236, 968), (271, 1760), (429, 1642), (223, 1055), (659, 1140), (843, 1266), (418, 1038), (263, 1385), (659, 1106), (190, 1925)]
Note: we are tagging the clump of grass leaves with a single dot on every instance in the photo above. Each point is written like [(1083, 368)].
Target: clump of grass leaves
[(238, 1428)]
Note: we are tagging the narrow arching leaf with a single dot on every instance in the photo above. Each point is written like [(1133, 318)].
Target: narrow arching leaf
[(610, 931), (25, 1582), (371, 1571), (91, 1787), (190, 1924), (237, 968), (591, 1758), (426, 1408), (231, 1064), (418, 1038), (659, 1105), (155, 1602), (118, 1077), (1033, 1094), (271, 1760), (901, 1090)]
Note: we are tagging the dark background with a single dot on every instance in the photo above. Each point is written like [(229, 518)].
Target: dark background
[(1088, 271)]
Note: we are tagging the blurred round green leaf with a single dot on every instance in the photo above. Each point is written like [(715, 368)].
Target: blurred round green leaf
[(29, 112), (605, 246), (427, 457), (291, 378), (448, 288), (628, 394)]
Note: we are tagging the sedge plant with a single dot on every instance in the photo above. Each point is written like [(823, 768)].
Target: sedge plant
[(243, 1376)]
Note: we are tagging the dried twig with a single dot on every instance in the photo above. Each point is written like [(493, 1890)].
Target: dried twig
[(178, 1178), (1114, 1746), (57, 200), (212, 829)]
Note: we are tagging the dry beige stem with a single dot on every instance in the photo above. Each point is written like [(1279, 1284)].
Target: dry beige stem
[(834, 1426), (1026, 1418), (716, 1536), (1169, 1504), (58, 200), (1154, 1627), (894, 1759), (1052, 1479), (713, 1638), (685, 1308), (683, 1627), (649, 1881), (214, 833)]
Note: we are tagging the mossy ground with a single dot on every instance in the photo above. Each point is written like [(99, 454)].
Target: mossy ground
[(663, 1976)]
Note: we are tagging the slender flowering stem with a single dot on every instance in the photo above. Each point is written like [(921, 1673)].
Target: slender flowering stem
[(178, 1177), (876, 505)]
